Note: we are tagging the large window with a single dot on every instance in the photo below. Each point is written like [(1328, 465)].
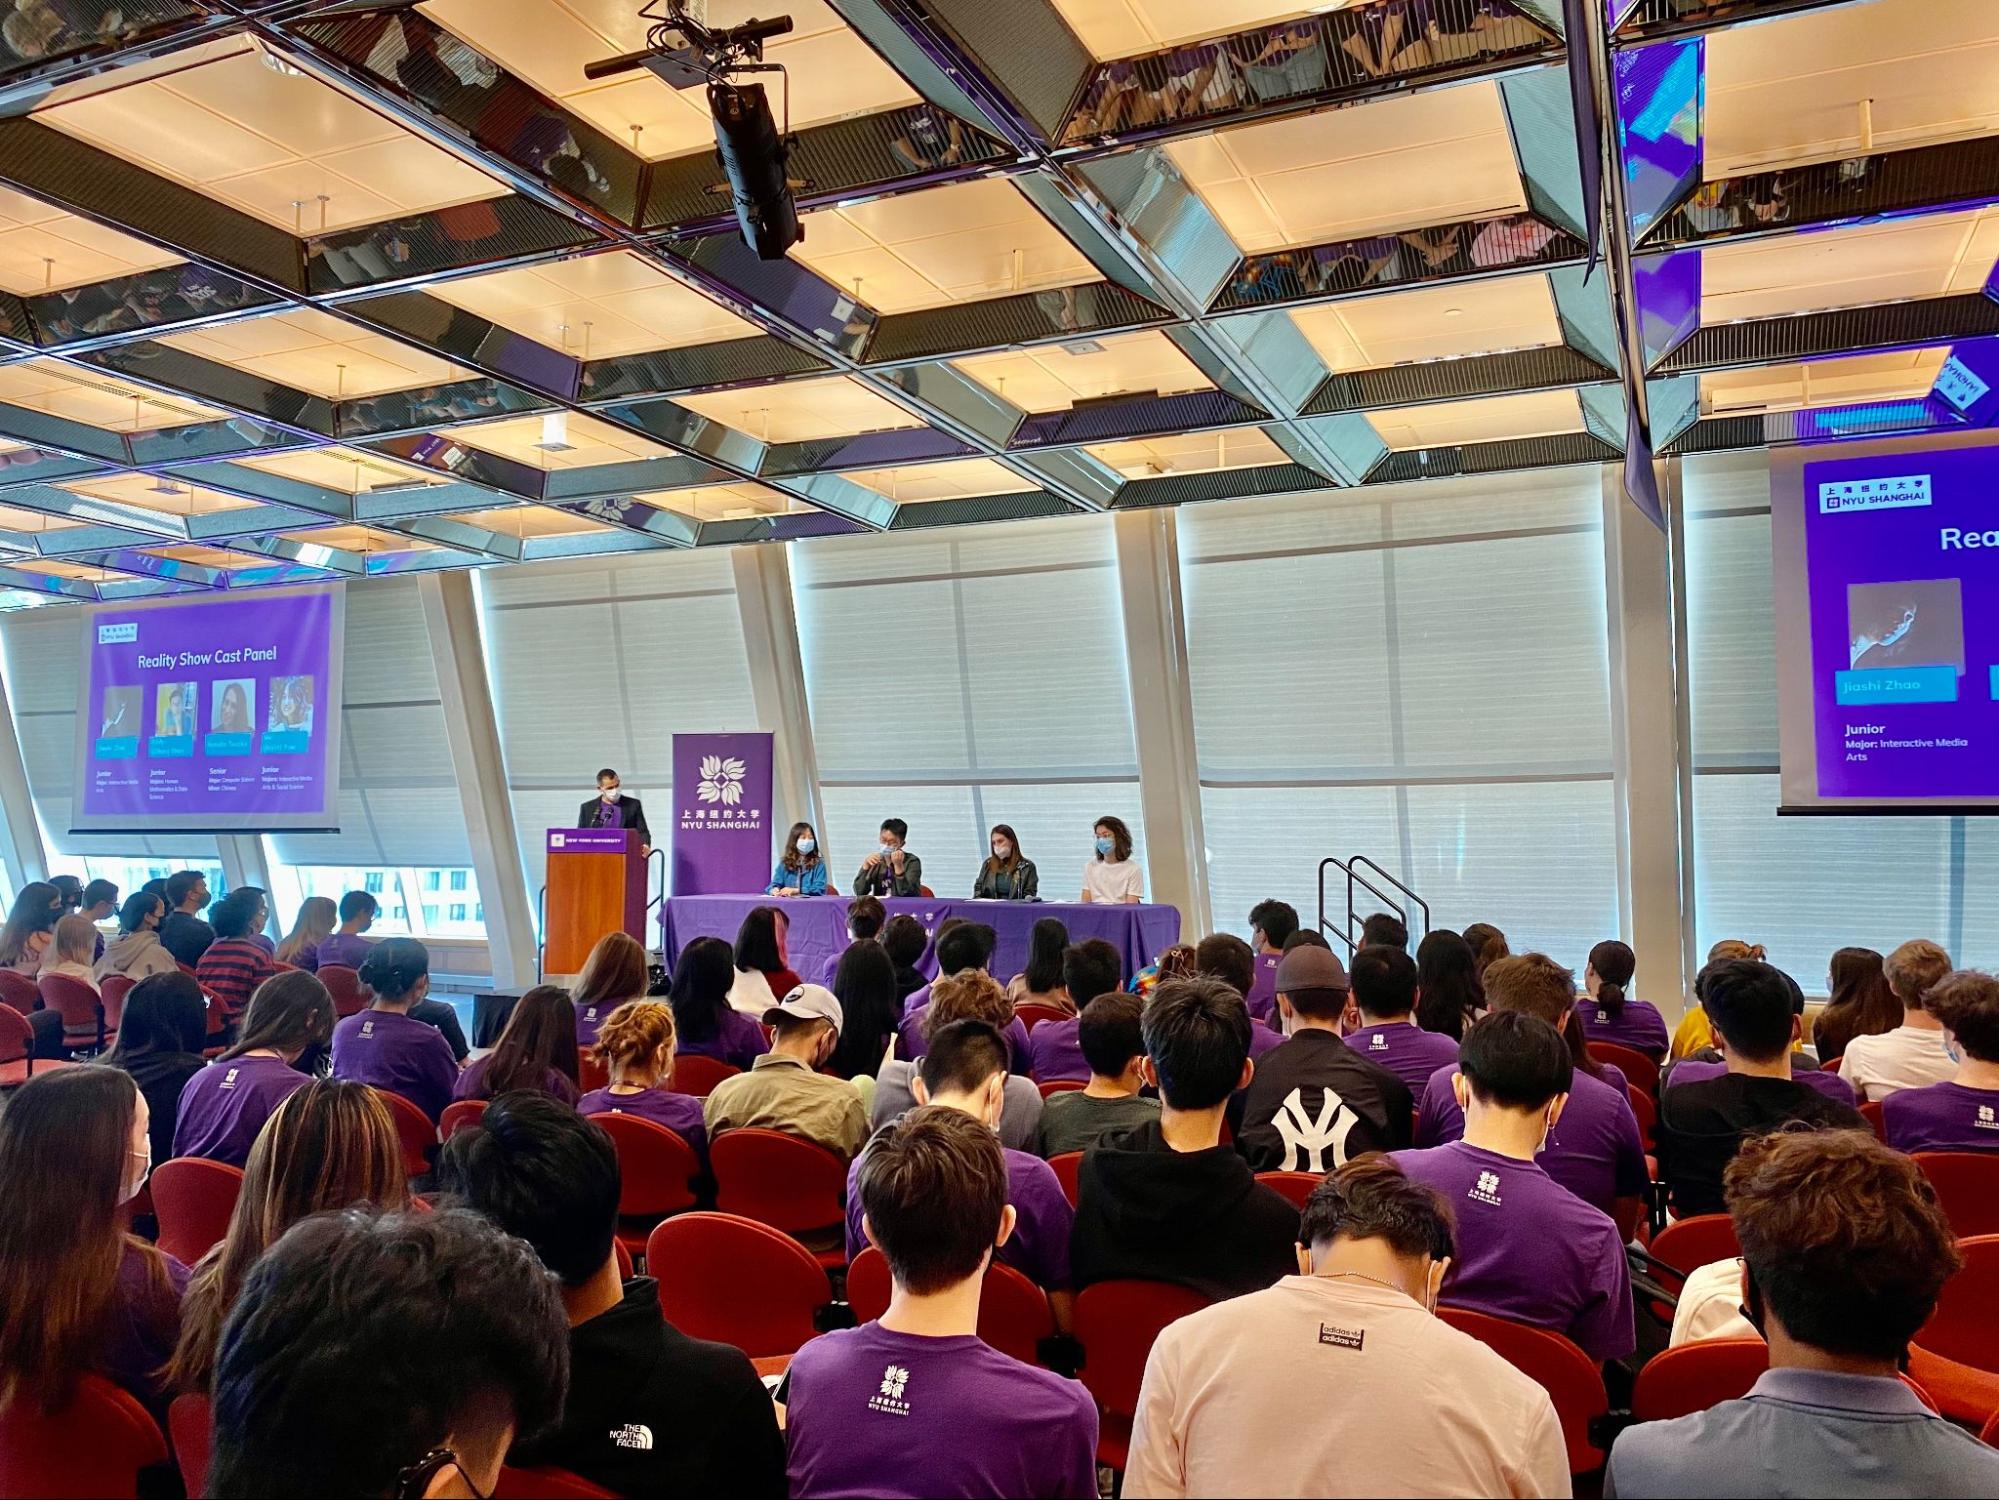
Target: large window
[(964, 678), (410, 903), (1418, 674), (1800, 886)]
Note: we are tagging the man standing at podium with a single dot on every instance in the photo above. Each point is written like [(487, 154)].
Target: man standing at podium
[(611, 808)]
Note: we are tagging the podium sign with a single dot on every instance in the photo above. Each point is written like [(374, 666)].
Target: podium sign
[(596, 885)]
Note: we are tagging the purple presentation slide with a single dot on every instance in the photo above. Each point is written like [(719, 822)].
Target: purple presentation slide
[(210, 715), (1902, 562)]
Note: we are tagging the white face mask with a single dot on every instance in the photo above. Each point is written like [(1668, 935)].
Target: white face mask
[(1002, 850), (611, 794), (143, 1160)]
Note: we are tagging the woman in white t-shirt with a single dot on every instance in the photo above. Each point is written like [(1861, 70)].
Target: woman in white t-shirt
[(1113, 876)]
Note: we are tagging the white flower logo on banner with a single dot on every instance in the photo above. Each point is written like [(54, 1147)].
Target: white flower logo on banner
[(721, 780)]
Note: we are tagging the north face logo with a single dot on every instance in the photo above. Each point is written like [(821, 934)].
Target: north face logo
[(1486, 1189), (1314, 1144), (889, 1399), (633, 1435)]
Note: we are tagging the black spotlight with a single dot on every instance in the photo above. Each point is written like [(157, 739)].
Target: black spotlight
[(756, 158)]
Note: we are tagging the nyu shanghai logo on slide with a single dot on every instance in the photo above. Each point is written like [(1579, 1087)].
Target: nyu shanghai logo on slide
[(1898, 493), (118, 635), (721, 780), (1486, 1189), (889, 1399)]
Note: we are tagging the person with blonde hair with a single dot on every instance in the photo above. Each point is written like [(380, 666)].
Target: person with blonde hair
[(1693, 1033), (71, 952), (636, 1046), (1912, 1056), (614, 972), (317, 917), (328, 1146)]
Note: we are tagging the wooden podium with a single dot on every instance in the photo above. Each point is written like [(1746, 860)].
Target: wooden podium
[(596, 885)]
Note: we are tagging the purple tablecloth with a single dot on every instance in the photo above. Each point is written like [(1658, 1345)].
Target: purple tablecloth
[(818, 927)]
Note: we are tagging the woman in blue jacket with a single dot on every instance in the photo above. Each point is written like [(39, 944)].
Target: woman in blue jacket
[(801, 870)]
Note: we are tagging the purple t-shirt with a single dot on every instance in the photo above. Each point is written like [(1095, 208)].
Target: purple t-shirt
[(1039, 1245), (142, 1329), (348, 949), (1831, 1085), (1595, 1150), (738, 1041), (914, 1001), (1053, 1052), (1528, 1249), (471, 1083), (680, 1113), (872, 1413), (1262, 996), (224, 1106), (1263, 1039), (909, 1041), (392, 1051), (831, 967), (1639, 1026), (1941, 1117), (1406, 1050)]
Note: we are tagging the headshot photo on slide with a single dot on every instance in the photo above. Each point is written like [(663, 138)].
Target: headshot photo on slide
[(175, 709)]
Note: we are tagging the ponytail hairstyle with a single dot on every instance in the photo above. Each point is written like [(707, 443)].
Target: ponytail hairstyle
[(638, 1037), (1614, 963)]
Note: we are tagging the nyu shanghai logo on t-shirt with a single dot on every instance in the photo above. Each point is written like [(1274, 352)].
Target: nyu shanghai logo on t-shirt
[(229, 1079), (633, 1435), (1986, 1120), (1486, 1189), (1379, 1044), (1898, 493), (888, 1399), (368, 1030)]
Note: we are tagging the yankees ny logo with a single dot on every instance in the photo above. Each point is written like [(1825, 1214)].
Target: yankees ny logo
[(1307, 1140)]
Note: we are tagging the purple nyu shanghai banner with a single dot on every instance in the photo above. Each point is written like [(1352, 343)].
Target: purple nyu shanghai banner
[(721, 814)]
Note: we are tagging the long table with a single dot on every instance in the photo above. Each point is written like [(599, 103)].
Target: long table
[(818, 926)]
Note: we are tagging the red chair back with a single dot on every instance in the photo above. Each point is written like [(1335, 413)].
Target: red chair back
[(696, 1075), (1639, 1070), (18, 1062), (114, 988), (1569, 1376), (96, 1445), (413, 1125), (458, 1114), (1695, 1376), (193, 1199), (344, 985), (1117, 1323), (1032, 1015), (591, 1073), (19, 991), (545, 1482), (192, 1429), (1871, 1112), (1054, 1086), (1967, 1184), (81, 1008), (1065, 1168), (1692, 1243), (735, 1281), (656, 1172), (1013, 1312), (1989, 1433), (1965, 1326), (1295, 1186), (777, 1179)]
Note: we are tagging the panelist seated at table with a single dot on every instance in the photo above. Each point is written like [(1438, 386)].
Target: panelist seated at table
[(611, 808), (1007, 874), (1113, 876), (801, 869), (891, 870)]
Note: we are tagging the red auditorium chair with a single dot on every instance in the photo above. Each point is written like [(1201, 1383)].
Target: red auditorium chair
[(419, 1136), (19, 991), (18, 1062), (1065, 1167), (735, 1281), (1013, 1312), (1032, 1015), (94, 1446), (656, 1172), (1689, 1244), (1955, 1356), (545, 1482), (1639, 1070), (193, 1199), (1871, 1112), (591, 1074), (1117, 1323), (114, 990), (1569, 1376), (1967, 1184), (1695, 1376), (81, 1009), (1054, 1086), (1989, 1433), (192, 1430), (783, 1181), (1647, 1112), (696, 1075), (344, 985), (457, 1115), (1295, 1186)]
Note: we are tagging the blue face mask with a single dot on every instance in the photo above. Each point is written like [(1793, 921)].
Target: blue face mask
[(806, 846), (887, 850), (1950, 1049), (1104, 846)]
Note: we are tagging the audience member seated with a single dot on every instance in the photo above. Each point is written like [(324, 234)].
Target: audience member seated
[(971, 996), (317, 917), (763, 976), (183, 932), (905, 942), (30, 929), (536, 1050), (614, 974), (963, 953), (1607, 1015), (1702, 1125), (1384, 930), (283, 1042), (864, 984), (71, 950), (865, 916), (1114, 1051), (1962, 1112), (1844, 1254), (1316, 1103), (328, 1146), (1861, 1004), (1449, 993), (635, 1045), (82, 1296), (1271, 924), (100, 904), (704, 1023), (917, 1402), (160, 1038), (961, 945), (1710, 1305), (965, 1070), (1226, 957), (1693, 1032), (650, 1411), (1383, 980), (136, 952), (1167, 1201), (347, 947), (1528, 1249), (1488, 946), (784, 1090), (1401, 1402), (1054, 1048), (1041, 982), (385, 1045), (1594, 1149), (234, 965), (1912, 1055), (385, 1354)]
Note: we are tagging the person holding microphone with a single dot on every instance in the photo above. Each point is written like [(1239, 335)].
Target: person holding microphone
[(611, 808), (890, 870)]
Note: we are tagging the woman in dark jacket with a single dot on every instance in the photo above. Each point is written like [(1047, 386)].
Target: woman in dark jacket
[(1006, 875)]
